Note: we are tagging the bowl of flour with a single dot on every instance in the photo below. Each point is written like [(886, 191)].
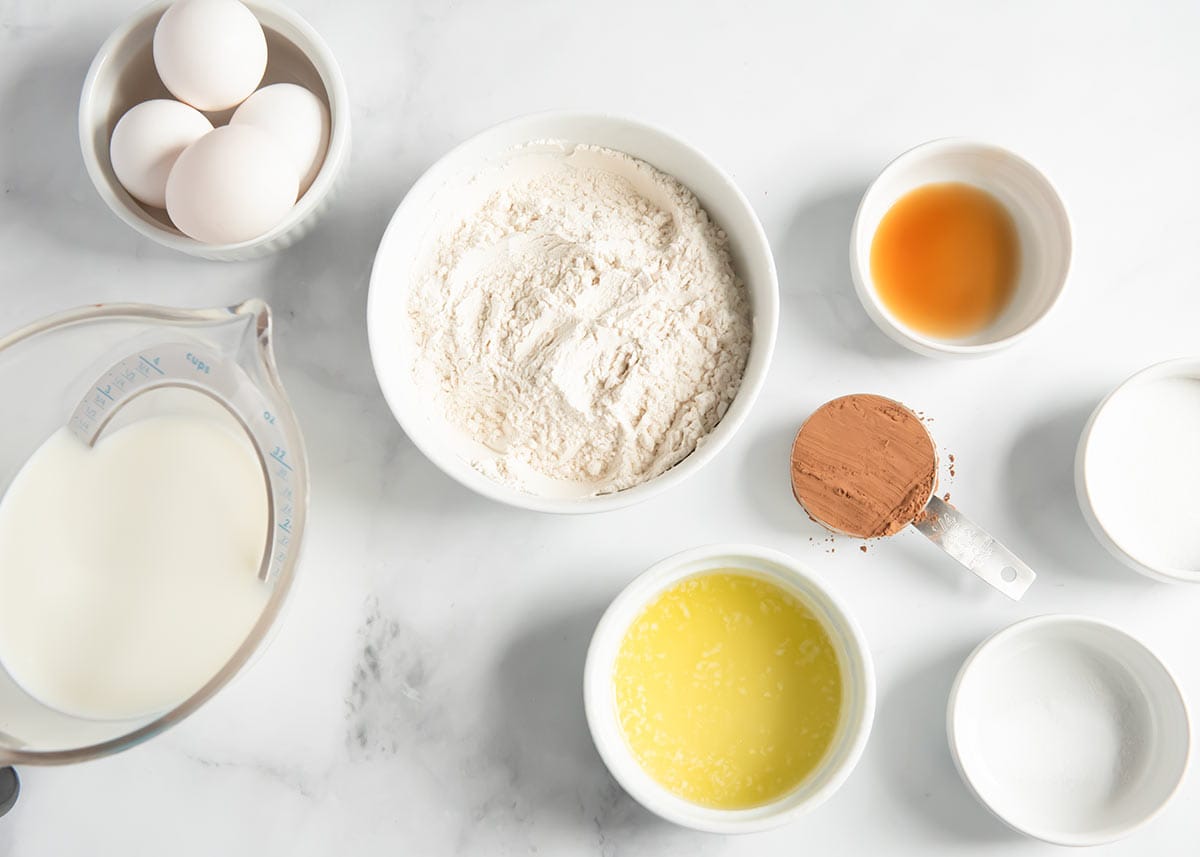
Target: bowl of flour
[(571, 312)]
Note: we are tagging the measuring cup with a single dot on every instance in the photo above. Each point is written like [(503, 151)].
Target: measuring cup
[(82, 368), (945, 526)]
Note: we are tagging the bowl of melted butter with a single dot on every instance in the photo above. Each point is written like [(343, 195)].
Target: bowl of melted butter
[(728, 690)]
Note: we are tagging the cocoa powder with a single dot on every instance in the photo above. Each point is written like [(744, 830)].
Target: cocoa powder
[(863, 465)]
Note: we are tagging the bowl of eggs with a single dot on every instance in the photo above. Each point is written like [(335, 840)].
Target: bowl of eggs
[(215, 127)]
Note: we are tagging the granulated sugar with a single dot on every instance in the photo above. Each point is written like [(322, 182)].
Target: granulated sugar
[(1143, 466), (584, 324)]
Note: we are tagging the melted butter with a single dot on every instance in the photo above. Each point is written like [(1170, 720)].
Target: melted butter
[(728, 690)]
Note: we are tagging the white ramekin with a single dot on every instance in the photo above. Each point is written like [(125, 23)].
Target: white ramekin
[(1086, 460), (1043, 229), (123, 74), (1019, 778), (854, 658), (417, 221)]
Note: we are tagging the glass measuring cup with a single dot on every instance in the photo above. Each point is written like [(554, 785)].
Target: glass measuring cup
[(82, 368)]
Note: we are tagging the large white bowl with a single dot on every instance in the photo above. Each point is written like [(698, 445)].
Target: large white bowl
[(854, 659), (123, 75), (418, 220)]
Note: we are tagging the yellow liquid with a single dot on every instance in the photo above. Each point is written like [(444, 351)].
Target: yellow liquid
[(728, 690)]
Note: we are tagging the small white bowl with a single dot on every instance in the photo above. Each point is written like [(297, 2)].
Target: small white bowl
[(123, 75), (1068, 729), (854, 658), (419, 219), (1094, 460), (1043, 230)]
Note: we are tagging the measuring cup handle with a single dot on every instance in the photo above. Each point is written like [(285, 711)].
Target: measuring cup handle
[(972, 546)]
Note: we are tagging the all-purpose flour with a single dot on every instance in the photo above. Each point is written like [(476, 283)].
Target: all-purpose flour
[(584, 323)]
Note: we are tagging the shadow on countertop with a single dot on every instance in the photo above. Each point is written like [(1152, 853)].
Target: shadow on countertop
[(318, 290), (542, 740), (767, 481), (1041, 491), (910, 741), (44, 180), (817, 297)]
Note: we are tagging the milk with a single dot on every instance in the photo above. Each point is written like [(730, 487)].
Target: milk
[(128, 571)]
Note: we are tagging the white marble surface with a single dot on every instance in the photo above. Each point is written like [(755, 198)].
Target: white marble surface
[(424, 694)]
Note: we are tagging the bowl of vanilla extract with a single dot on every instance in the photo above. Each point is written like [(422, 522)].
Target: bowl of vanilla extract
[(960, 248)]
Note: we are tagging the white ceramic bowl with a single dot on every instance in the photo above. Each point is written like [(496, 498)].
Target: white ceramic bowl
[(1093, 461), (123, 74), (1043, 229), (419, 219), (1068, 729), (858, 677)]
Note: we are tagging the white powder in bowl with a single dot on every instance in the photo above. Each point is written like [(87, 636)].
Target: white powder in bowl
[(582, 323), (1143, 466)]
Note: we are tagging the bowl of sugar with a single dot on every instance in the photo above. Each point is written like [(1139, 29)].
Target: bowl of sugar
[(1068, 729), (1137, 468)]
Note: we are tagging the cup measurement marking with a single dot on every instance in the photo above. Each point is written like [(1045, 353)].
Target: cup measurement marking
[(189, 367)]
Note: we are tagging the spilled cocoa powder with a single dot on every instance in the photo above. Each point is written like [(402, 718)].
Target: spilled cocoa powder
[(863, 465)]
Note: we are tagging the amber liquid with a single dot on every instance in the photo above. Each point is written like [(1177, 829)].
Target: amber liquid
[(945, 258)]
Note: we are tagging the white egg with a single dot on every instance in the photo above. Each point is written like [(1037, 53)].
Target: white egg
[(296, 118), (233, 184), (210, 53), (146, 142)]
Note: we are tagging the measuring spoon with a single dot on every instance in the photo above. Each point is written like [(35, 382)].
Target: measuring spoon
[(851, 455)]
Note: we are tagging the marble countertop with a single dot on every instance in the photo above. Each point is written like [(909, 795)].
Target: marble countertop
[(423, 695)]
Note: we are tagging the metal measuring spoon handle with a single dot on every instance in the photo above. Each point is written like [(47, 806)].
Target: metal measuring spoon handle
[(974, 548)]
